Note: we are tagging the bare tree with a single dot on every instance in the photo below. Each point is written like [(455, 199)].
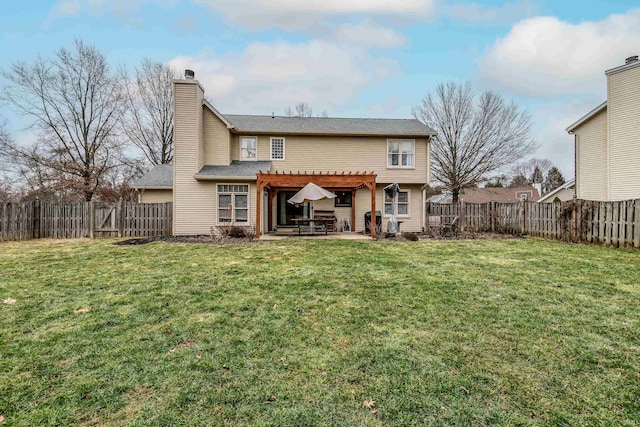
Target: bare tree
[(302, 109), (7, 185), (147, 116), (528, 168), (72, 101), (474, 137)]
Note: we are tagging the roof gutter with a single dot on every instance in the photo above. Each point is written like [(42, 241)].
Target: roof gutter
[(223, 178), (319, 133), (218, 114), (586, 117), (150, 187)]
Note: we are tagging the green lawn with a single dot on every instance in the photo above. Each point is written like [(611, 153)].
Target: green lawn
[(511, 332)]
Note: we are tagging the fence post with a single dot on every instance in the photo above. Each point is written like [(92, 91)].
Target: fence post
[(492, 214), (92, 218), (463, 216), (574, 219), (523, 213), (121, 217), (36, 219)]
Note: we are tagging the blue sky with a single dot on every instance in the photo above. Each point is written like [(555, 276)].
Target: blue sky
[(354, 58)]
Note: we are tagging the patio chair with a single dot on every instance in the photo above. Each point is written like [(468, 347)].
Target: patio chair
[(450, 229), (434, 224)]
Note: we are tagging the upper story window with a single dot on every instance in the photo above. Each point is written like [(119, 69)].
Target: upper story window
[(400, 153), (248, 148), (277, 148)]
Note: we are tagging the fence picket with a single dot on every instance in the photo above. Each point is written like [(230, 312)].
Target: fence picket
[(18, 221), (611, 223)]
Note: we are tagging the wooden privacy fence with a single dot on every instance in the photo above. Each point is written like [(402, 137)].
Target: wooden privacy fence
[(34, 220), (610, 223)]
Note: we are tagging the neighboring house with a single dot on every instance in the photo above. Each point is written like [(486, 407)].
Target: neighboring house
[(607, 141), (444, 197), (563, 193), (156, 186), (499, 194), (240, 169), (491, 194)]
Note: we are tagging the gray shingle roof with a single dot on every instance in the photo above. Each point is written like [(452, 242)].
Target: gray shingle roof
[(235, 169), (160, 176), (324, 125)]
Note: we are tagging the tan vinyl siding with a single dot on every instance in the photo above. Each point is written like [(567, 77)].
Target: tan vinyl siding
[(216, 140), (623, 107), (329, 154), (363, 204), (193, 201), (591, 158), (155, 196), (411, 223)]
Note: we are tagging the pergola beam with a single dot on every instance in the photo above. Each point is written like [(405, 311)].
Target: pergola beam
[(353, 180)]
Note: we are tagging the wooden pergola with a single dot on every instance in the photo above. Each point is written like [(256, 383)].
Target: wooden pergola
[(294, 181)]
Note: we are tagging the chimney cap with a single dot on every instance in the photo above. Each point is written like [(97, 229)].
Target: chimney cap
[(189, 74), (631, 59)]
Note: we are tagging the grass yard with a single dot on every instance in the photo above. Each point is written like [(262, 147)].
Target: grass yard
[(511, 332)]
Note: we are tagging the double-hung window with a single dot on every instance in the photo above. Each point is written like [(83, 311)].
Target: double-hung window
[(277, 148), (248, 148), (400, 153), (403, 204), (233, 203)]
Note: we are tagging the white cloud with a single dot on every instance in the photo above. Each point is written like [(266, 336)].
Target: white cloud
[(68, 7), (268, 77), (368, 34), (122, 9), (545, 56), (477, 13), (333, 7), (318, 18)]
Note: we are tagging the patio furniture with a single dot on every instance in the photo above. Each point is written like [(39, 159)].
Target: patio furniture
[(450, 229), (311, 224), (329, 218), (435, 225)]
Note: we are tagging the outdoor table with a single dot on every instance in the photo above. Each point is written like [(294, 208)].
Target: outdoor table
[(312, 223)]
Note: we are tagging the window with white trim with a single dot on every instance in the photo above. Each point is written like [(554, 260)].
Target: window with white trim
[(403, 204), (277, 148), (248, 148), (233, 203), (400, 153)]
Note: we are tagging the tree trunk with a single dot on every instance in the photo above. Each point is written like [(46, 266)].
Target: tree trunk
[(454, 195)]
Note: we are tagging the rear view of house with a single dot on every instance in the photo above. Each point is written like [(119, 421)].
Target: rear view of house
[(242, 169), (607, 141)]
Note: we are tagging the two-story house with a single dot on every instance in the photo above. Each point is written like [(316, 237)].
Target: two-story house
[(242, 169), (607, 141)]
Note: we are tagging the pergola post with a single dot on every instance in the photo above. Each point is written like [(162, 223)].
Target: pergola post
[(374, 216), (280, 180), (353, 211), (258, 210)]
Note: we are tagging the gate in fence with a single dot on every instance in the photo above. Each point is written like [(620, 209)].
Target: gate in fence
[(33, 220)]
